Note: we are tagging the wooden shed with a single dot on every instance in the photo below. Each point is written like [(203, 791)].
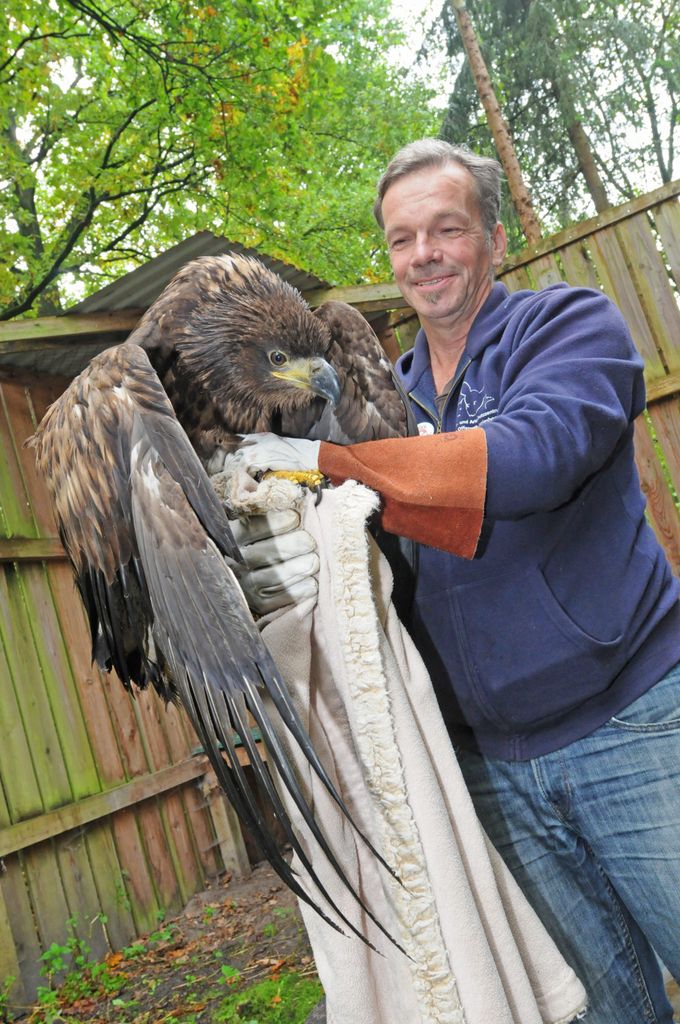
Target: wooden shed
[(109, 814)]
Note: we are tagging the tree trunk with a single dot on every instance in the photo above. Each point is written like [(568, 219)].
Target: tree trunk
[(587, 166), (498, 125), (563, 93)]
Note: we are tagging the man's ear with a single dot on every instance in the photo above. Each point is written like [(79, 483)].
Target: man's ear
[(499, 245)]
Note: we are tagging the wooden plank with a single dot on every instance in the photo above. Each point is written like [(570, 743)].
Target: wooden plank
[(23, 936), (365, 297), (80, 888), (60, 696), (617, 283), (68, 326), (228, 834), (667, 220), (15, 511), (516, 280), (109, 882), (53, 823), (579, 269), (20, 412), (21, 791), (662, 511), (544, 271), (665, 417), (136, 893), (155, 719), (10, 967), (664, 387), (50, 908), (181, 741), (9, 961), (653, 287), (43, 782), (32, 549)]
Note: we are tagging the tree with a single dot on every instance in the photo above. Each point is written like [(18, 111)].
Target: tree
[(125, 130), (590, 91), (498, 125)]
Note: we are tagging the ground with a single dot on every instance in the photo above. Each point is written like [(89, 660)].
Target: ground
[(238, 953)]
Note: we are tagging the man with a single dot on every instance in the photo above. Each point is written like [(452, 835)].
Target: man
[(555, 650)]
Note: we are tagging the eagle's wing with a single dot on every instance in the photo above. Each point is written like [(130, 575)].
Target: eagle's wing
[(151, 549), (372, 403)]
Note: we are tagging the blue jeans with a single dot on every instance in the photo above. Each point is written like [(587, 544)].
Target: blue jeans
[(592, 834)]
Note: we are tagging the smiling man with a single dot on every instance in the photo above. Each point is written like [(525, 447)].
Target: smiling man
[(443, 256), (544, 607)]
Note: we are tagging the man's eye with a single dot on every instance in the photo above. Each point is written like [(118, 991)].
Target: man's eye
[(397, 243), (278, 358)]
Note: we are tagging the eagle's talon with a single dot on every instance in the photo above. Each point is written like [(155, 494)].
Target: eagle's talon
[(311, 478)]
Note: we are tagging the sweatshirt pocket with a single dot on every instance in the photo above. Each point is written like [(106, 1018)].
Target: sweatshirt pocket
[(525, 658)]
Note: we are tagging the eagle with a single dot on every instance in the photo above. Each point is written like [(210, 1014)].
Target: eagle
[(228, 349)]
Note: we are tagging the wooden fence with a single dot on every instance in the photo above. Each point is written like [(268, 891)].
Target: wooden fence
[(106, 816), (632, 253)]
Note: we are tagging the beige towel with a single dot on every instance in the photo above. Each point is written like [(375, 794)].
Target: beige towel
[(478, 953)]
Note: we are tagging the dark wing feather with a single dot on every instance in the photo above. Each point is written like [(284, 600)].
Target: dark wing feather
[(150, 544), (372, 403)]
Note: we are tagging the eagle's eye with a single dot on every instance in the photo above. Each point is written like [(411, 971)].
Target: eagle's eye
[(278, 358)]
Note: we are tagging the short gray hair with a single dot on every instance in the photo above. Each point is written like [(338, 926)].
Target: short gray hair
[(422, 153)]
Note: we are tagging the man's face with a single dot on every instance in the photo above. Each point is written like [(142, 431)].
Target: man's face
[(440, 253)]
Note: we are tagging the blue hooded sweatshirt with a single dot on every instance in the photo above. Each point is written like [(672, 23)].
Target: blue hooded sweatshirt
[(569, 610)]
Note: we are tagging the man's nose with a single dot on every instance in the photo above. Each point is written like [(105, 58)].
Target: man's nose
[(425, 250)]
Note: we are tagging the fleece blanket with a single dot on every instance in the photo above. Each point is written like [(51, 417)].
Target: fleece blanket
[(477, 953)]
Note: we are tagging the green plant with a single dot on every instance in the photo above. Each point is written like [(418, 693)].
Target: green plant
[(284, 912), (74, 953), (286, 999), (230, 975), (122, 898), (5, 989), (163, 934), (133, 950), (81, 978)]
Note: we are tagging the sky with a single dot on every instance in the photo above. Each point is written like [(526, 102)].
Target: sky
[(416, 16)]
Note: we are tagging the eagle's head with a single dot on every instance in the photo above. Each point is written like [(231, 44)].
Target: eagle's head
[(235, 331)]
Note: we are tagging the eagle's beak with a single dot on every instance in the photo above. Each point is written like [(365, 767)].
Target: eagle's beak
[(314, 375), (324, 381)]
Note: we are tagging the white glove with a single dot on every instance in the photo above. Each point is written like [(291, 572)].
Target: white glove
[(281, 561), (261, 452)]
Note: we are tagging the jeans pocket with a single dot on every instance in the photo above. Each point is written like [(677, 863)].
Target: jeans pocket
[(657, 710)]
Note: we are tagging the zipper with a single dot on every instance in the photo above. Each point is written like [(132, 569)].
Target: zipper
[(457, 381)]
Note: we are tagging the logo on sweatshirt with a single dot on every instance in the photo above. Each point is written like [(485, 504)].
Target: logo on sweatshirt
[(474, 407)]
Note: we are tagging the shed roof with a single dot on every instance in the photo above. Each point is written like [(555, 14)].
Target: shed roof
[(141, 287)]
